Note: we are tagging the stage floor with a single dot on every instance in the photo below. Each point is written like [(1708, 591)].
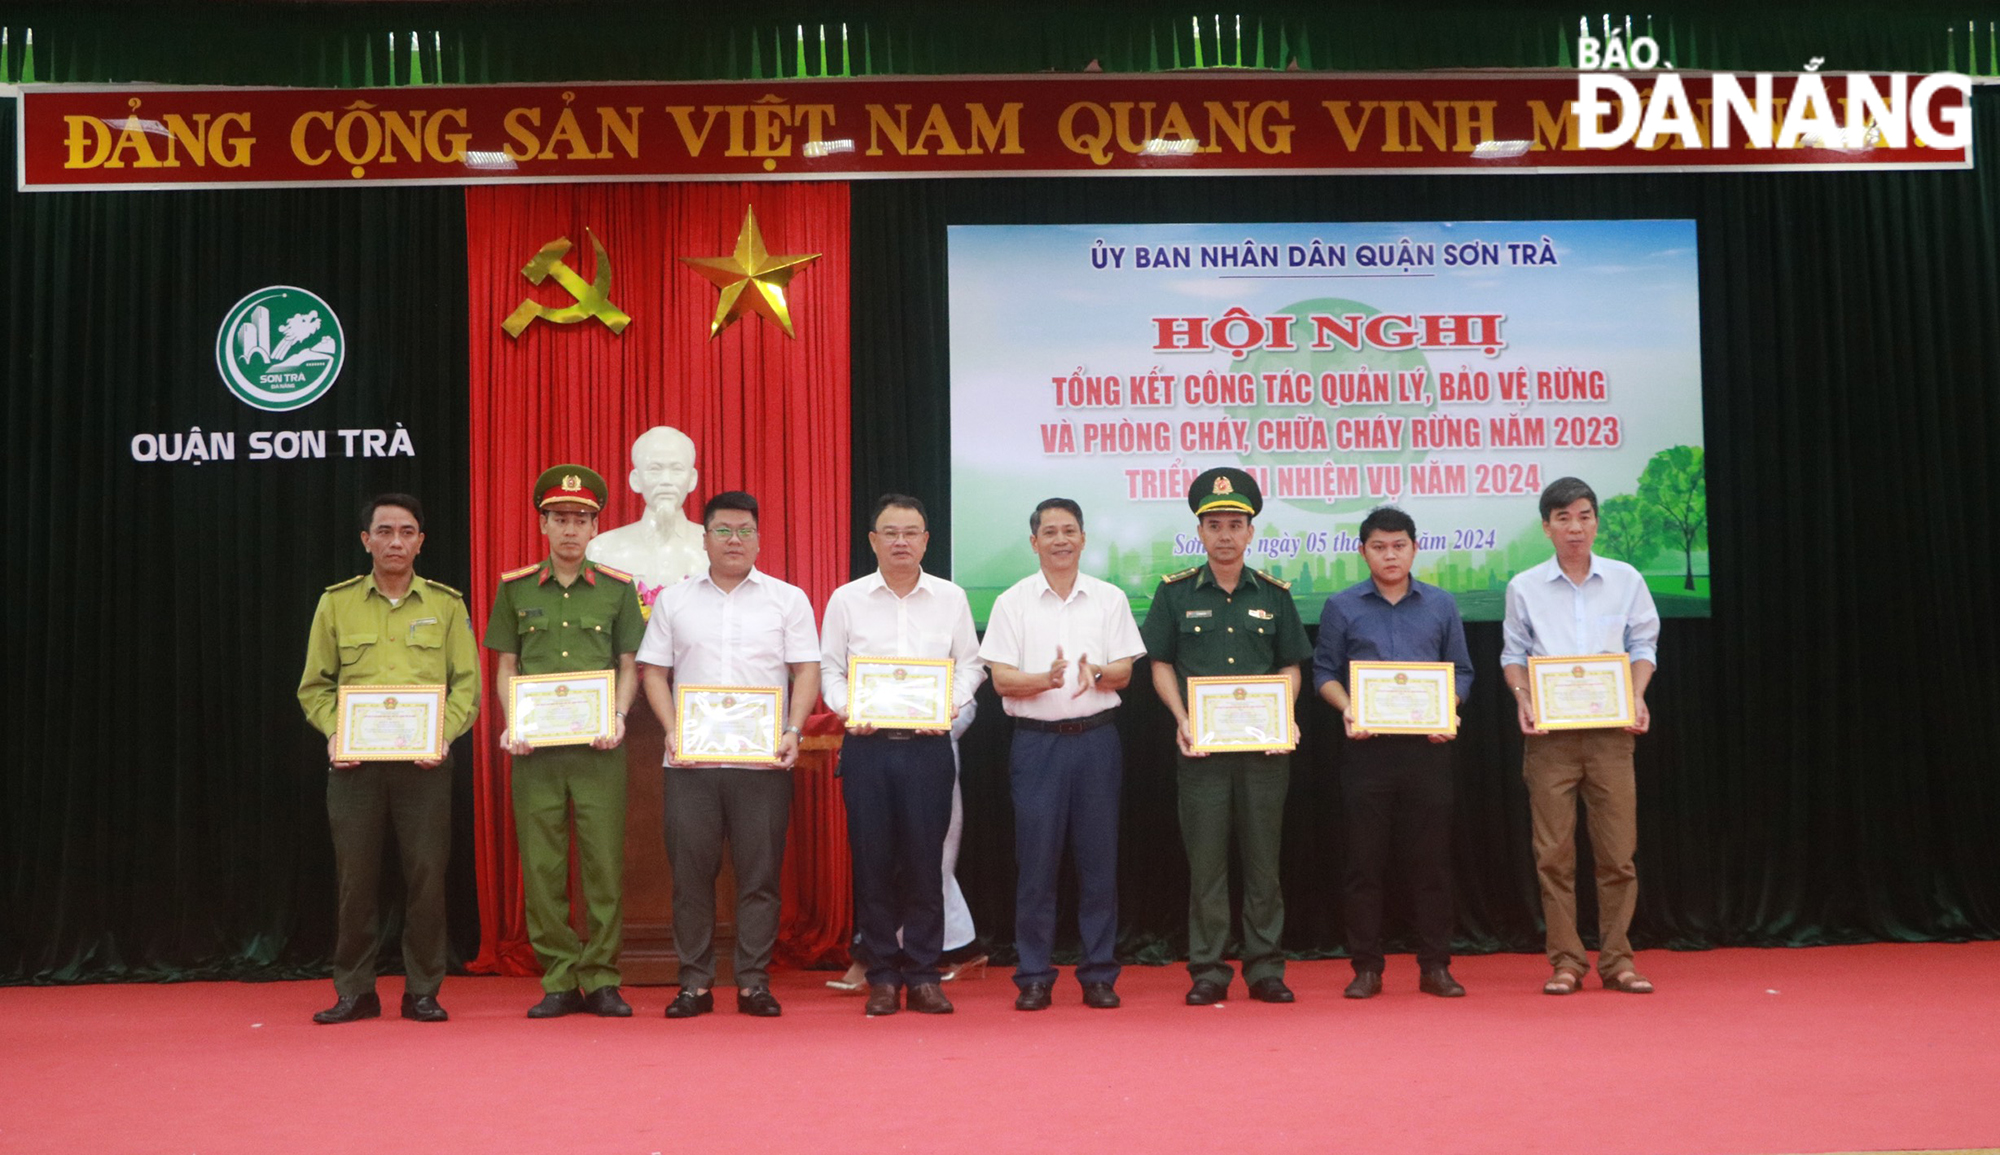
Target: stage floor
[(1867, 1048)]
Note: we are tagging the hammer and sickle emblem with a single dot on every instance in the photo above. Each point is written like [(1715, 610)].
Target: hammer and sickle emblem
[(592, 297)]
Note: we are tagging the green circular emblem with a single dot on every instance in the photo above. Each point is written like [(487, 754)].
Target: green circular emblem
[(280, 348)]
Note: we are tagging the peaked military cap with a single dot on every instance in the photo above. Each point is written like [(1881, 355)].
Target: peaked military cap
[(570, 484), (1225, 489)]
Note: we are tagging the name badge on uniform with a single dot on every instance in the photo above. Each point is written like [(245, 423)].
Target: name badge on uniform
[(1265, 614), (1201, 613), (420, 623), (532, 612)]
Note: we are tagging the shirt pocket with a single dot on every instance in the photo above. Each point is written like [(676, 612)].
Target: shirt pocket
[(427, 636), (1607, 631), (356, 648)]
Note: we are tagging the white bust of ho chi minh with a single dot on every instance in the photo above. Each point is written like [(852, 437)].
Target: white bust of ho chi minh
[(662, 547)]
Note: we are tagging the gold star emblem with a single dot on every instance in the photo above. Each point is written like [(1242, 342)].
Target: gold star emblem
[(1222, 485), (751, 280)]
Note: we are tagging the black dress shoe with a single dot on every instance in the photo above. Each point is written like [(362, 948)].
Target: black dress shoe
[(607, 1003), (687, 1004), (1366, 985), (1271, 990), (1035, 997), (423, 1009), (1438, 981), (1206, 992), (758, 1001), (1100, 996), (883, 999), (928, 999), (348, 1008), (556, 1004)]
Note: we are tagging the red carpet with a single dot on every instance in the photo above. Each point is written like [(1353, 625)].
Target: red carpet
[(1762, 1051)]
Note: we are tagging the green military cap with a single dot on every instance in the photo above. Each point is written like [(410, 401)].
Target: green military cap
[(1225, 489), (570, 485)]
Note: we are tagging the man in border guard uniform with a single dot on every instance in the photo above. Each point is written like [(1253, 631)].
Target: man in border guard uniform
[(1225, 619)]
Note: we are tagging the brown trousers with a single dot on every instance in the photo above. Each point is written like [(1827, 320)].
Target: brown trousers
[(1598, 765)]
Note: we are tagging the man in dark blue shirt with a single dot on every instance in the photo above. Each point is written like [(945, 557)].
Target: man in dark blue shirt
[(1396, 787)]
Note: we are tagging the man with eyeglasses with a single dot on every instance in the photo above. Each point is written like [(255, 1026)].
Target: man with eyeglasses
[(733, 626), (898, 783)]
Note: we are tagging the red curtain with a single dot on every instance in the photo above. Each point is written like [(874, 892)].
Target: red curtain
[(768, 414)]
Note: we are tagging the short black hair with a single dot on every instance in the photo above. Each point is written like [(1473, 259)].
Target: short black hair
[(400, 500), (729, 499), (1035, 518), (1387, 519), (898, 501), (1564, 492)]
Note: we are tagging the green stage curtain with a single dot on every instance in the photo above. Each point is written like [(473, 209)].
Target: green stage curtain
[(162, 801), (1819, 769)]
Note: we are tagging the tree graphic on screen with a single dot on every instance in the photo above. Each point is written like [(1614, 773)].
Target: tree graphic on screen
[(1676, 489)]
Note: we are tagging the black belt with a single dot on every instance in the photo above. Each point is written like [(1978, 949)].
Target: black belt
[(1067, 725)]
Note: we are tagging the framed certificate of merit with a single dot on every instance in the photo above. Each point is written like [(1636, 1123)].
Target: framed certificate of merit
[(732, 724), (1404, 697), (899, 693), (1238, 714), (389, 724), (562, 709), (1586, 692)]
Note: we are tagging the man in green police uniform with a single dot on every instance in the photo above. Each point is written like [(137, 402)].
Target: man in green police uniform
[(1224, 619), (560, 616), (390, 627)]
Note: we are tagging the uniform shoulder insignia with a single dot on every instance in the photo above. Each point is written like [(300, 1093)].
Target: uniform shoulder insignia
[(1281, 583), (345, 584), (614, 574), (524, 571), (438, 585), (1182, 575)]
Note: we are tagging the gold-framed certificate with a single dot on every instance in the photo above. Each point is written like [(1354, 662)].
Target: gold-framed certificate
[(1233, 714), (1581, 692), (389, 724), (733, 724), (1404, 697), (899, 693), (562, 709)]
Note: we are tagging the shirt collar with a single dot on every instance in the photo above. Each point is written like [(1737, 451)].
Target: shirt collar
[(876, 583), (1368, 588), (1207, 576), (1556, 573), (755, 576), (588, 572), (417, 586), (1042, 586)]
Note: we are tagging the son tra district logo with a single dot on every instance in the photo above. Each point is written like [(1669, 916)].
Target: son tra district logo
[(280, 348)]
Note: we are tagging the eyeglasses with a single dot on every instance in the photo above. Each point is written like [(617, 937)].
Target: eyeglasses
[(900, 534), (725, 533)]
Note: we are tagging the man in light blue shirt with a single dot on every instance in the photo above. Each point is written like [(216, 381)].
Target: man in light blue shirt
[(1579, 603)]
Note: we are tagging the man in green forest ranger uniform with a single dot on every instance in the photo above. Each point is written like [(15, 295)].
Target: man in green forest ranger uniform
[(1224, 619), (389, 627), (567, 615)]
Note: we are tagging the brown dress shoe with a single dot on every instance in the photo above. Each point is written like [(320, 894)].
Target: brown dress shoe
[(1366, 985), (928, 999), (1438, 981), (883, 999)]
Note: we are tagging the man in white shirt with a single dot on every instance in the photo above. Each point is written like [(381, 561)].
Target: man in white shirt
[(734, 626), (1578, 603), (1061, 644), (897, 783)]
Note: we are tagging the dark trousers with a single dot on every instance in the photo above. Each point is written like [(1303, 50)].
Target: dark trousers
[(1241, 795), (361, 804), (749, 807), (1397, 792), (898, 795), (1066, 794)]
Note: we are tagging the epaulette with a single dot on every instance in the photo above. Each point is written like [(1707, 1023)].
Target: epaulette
[(345, 584), (1186, 573), (436, 584), (1281, 583), (614, 574), (524, 571)]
